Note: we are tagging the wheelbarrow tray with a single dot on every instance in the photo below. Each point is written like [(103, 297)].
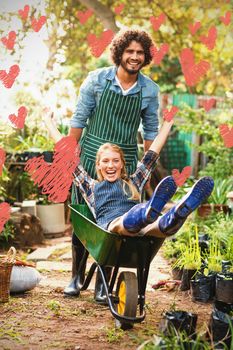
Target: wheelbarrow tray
[(111, 249)]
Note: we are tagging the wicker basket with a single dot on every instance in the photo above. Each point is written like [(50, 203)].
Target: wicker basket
[(6, 264)]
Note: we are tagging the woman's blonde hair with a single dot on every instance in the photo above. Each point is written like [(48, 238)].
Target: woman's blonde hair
[(126, 181)]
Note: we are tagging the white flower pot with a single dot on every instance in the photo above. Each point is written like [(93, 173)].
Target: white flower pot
[(52, 217)]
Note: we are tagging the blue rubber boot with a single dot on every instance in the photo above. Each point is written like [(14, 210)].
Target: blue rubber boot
[(144, 214), (170, 222)]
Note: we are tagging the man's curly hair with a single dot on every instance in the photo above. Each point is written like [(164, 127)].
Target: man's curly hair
[(123, 40)]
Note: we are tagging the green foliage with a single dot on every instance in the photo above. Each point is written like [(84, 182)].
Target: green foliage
[(222, 227), (43, 200), (68, 37), (114, 335), (20, 186), (228, 249), (54, 306), (190, 255), (176, 340), (172, 246), (220, 191), (205, 126), (214, 256), (3, 182), (34, 142), (183, 190), (7, 232)]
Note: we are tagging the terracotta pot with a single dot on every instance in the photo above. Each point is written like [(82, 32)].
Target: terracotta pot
[(206, 209)]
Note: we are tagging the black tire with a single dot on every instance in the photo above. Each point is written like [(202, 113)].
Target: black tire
[(127, 292)]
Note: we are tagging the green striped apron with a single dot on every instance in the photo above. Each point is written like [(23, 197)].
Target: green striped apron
[(116, 120)]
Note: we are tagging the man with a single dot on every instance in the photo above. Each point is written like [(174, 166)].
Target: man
[(112, 103)]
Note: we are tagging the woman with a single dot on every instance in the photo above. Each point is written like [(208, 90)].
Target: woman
[(115, 198)]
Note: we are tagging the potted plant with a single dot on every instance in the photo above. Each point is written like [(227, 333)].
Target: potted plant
[(190, 260), (203, 285), (218, 199), (51, 215), (34, 145)]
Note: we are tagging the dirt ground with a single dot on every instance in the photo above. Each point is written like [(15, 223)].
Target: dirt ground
[(44, 319)]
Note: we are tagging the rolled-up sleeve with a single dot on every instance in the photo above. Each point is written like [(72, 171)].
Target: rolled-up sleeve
[(144, 169), (85, 105), (150, 120)]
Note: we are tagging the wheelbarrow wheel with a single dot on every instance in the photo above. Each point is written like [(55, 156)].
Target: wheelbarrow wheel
[(127, 293)]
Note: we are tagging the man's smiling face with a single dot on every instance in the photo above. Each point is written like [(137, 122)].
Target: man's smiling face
[(133, 58)]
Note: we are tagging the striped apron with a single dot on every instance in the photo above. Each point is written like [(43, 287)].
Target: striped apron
[(116, 120)]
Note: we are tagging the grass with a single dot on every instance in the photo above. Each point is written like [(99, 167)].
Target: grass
[(114, 335)]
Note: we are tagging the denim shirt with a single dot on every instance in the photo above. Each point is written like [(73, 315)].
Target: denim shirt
[(91, 91)]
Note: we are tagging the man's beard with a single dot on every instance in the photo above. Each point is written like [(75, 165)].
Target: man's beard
[(130, 71)]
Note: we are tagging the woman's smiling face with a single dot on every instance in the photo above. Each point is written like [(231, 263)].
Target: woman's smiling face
[(110, 165)]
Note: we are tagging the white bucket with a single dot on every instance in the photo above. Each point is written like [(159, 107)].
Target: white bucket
[(52, 217)]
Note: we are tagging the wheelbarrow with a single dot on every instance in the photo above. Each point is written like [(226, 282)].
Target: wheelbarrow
[(126, 297)]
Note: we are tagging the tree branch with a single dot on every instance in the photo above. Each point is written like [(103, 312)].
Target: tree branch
[(104, 13)]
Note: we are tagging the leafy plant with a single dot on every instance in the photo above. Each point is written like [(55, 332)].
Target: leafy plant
[(228, 249), (34, 142), (220, 191), (8, 232), (177, 340), (205, 126), (43, 200), (3, 182), (222, 228), (114, 335), (214, 256), (190, 256), (54, 306), (20, 186)]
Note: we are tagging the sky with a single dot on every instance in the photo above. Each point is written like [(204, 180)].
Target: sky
[(33, 60)]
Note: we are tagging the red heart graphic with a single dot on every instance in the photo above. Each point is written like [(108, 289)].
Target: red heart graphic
[(18, 121), (24, 13), (5, 211), (10, 41), (158, 54), (169, 115), (98, 45), (9, 79), (119, 9), (193, 28), (210, 39), (56, 178), (180, 178), (37, 24), (84, 16), (227, 135), (209, 104), (157, 21), (226, 19), (2, 159), (192, 72)]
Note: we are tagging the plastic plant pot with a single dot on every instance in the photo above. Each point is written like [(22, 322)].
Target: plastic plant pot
[(226, 265), (219, 327), (177, 273), (181, 321), (224, 307), (202, 288), (224, 287), (186, 278)]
